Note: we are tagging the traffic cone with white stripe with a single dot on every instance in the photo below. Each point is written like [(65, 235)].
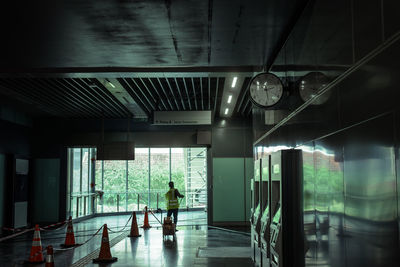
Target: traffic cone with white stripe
[(134, 227), (49, 257), (70, 237), (36, 250), (146, 224), (105, 253)]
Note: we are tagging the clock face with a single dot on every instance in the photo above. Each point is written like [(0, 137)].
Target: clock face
[(311, 84), (266, 90)]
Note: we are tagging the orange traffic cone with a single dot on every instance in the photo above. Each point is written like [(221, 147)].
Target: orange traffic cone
[(70, 237), (146, 224), (36, 250), (134, 227), (49, 257), (105, 253)]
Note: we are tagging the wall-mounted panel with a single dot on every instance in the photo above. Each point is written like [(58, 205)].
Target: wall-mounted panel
[(370, 193), (228, 189), (46, 190)]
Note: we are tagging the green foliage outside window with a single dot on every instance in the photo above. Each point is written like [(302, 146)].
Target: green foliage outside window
[(126, 196)]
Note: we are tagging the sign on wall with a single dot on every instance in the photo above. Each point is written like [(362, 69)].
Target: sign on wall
[(182, 117)]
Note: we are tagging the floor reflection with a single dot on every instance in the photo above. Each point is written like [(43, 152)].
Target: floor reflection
[(148, 250)]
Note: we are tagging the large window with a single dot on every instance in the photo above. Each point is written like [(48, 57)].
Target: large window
[(132, 185), (119, 186)]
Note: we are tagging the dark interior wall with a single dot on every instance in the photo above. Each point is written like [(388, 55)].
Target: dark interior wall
[(232, 172), (350, 141), (2, 190), (232, 138), (14, 140), (46, 190)]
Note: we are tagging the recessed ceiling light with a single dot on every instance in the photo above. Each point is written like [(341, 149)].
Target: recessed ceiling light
[(226, 111), (112, 85), (234, 82), (229, 99)]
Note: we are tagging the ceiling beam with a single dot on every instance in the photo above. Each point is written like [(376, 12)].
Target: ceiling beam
[(122, 95)]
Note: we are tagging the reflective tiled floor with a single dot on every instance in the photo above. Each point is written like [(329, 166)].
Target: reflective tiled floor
[(147, 250)]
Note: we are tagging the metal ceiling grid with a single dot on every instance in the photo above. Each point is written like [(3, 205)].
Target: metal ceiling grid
[(174, 93), (67, 97), (74, 97)]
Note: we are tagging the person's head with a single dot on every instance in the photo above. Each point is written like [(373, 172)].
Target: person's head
[(171, 184)]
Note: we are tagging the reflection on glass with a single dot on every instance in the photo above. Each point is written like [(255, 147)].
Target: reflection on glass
[(76, 177), (277, 216), (372, 199)]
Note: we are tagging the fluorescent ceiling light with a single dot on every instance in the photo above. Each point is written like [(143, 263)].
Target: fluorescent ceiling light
[(229, 99), (112, 85), (234, 82), (226, 111)]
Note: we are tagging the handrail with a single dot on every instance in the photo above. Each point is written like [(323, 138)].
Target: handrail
[(126, 200), (152, 191), (82, 194)]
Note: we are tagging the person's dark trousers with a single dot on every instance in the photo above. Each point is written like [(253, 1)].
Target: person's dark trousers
[(175, 212)]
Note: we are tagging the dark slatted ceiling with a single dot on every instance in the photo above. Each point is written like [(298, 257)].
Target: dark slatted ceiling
[(174, 94), (219, 93), (89, 97), (67, 97)]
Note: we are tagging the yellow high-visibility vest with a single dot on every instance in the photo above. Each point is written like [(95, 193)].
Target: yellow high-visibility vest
[(172, 200)]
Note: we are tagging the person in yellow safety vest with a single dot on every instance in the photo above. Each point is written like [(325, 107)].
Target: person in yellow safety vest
[(172, 202)]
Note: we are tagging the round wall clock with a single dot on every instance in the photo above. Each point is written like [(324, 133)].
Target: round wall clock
[(266, 90), (311, 84)]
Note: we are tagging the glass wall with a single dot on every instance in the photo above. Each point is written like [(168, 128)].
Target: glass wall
[(81, 177), (132, 185), (119, 186)]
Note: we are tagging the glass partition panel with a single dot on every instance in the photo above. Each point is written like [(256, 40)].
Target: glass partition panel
[(76, 170), (138, 179), (114, 185), (99, 185), (159, 174), (196, 177), (178, 171)]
